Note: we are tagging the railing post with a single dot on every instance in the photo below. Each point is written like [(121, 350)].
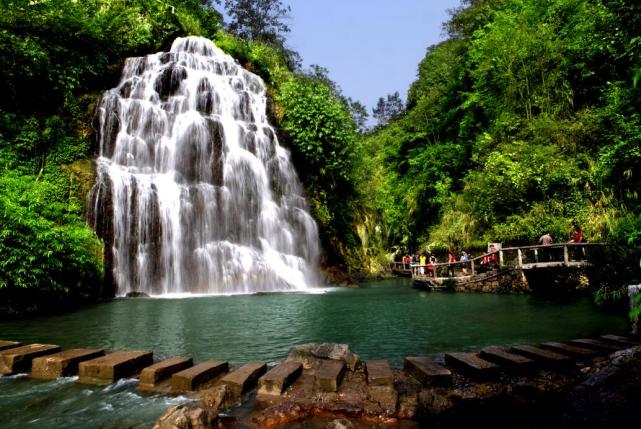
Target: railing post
[(536, 255), (501, 259), (566, 255), (473, 269), (520, 257)]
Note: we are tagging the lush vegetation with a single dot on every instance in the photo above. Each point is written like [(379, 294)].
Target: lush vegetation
[(526, 118), (59, 56)]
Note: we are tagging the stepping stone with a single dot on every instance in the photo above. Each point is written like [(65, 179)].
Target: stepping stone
[(568, 349), (19, 359), (161, 371), (63, 364), (243, 379), (4, 345), (617, 339), (471, 364), (196, 376), (501, 356), (542, 355), (112, 367), (379, 373), (279, 378), (330, 375), (427, 371), (596, 345)]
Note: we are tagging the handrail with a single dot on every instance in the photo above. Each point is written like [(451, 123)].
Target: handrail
[(553, 245), (472, 262)]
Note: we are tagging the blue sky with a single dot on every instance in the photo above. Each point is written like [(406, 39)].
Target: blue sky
[(371, 47)]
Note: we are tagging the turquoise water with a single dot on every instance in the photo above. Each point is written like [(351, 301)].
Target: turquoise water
[(384, 319)]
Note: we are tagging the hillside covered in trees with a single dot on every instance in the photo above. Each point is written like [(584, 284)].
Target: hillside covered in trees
[(525, 118)]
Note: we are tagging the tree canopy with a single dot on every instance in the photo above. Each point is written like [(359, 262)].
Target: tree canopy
[(525, 118)]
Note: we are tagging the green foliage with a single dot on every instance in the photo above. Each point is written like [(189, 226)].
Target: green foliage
[(322, 133), (52, 49), (526, 118), (58, 56), (258, 57), (45, 248)]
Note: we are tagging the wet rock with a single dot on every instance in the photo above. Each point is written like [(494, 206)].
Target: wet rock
[(340, 424), (609, 394), (168, 82), (188, 416), (337, 277), (217, 398), (311, 354), (282, 414), (137, 295), (435, 402), (407, 406), (386, 397)]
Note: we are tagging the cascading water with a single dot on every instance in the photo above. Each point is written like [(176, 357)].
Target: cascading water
[(194, 194)]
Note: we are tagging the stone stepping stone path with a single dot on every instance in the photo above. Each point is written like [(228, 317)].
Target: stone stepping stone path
[(330, 375), (114, 366), (427, 371), (290, 383), (4, 345), (279, 378), (567, 349), (152, 376), (617, 339), (18, 359), (504, 358), (379, 373), (597, 345), (63, 364), (196, 376), (471, 364), (542, 355), (241, 380)]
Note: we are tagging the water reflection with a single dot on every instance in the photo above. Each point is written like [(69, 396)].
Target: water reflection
[(381, 320)]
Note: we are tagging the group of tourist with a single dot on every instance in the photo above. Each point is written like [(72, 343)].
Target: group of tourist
[(576, 236), (424, 262)]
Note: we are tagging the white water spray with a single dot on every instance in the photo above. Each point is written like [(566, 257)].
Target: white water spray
[(194, 194)]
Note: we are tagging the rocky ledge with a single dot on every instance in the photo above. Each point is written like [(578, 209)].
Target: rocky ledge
[(336, 390)]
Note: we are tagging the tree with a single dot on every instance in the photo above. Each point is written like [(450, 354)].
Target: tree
[(359, 113), (261, 20), (356, 108), (387, 109)]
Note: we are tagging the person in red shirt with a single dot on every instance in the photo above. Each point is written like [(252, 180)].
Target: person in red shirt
[(451, 259), (576, 236)]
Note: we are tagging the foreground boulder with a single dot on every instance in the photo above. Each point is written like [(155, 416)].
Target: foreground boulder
[(311, 355), (189, 416), (610, 396)]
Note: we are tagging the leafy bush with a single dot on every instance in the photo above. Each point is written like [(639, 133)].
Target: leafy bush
[(46, 250), (322, 134)]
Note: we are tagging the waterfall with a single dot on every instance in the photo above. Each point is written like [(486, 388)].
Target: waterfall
[(193, 193)]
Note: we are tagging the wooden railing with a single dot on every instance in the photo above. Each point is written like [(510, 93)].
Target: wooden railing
[(525, 257), (400, 266)]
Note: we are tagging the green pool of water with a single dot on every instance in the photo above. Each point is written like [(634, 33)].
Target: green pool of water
[(381, 320)]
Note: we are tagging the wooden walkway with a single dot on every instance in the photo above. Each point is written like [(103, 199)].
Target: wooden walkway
[(507, 260)]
